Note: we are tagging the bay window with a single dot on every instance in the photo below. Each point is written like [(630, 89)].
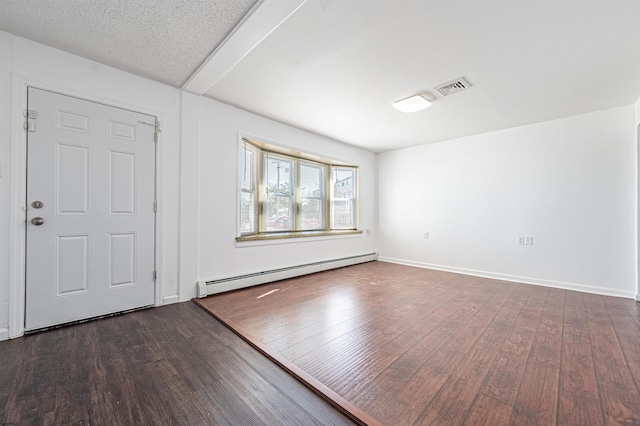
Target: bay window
[(285, 194)]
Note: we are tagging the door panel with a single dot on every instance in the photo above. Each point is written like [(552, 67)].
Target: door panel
[(122, 259), (92, 168), (72, 173), (122, 189), (72, 264)]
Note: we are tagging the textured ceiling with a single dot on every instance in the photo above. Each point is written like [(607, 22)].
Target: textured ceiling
[(334, 67), (163, 40)]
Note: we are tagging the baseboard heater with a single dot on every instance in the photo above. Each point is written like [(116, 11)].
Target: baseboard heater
[(206, 288)]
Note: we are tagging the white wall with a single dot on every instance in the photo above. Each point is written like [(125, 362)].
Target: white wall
[(25, 62), (569, 183), (209, 195), (637, 253), (6, 57)]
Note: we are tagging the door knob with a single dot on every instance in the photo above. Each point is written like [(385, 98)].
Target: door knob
[(37, 221)]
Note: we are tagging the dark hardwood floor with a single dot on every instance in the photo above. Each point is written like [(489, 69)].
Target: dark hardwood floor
[(413, 346), (174, 365)]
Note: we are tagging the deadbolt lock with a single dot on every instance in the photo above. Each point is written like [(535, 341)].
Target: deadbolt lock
[(37, 204)]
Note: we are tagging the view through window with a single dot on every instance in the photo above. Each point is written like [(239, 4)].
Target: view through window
[(282, 193)]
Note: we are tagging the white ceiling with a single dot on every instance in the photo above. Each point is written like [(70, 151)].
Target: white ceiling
[(334, 67)]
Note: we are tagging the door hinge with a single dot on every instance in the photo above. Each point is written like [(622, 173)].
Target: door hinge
[(155, 206), (30, 122), (155, 275), (157, 127)]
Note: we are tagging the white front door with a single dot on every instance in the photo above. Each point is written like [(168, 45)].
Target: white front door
[(90, 209)]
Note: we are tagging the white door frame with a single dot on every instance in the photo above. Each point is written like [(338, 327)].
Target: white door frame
[(18, 193)]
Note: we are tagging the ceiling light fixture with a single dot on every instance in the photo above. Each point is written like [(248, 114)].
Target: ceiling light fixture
[(413, 103)]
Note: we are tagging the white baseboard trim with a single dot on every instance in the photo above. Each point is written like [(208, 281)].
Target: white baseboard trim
[(515, 278), (4, 334), (637, 297), (167, 300), (206, 288)]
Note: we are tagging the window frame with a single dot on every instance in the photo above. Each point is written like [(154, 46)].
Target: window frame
[(322, 199), (333, 197), (263, 196), (262, 154), (254, 189)]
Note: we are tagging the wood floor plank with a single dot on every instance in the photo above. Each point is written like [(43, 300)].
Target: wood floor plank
[(301, 340), (627, 334), (396, 383), (337, 317), (407, 350), (546, 348), (537, 398), (414, 346), (611, 367), (529, 315), (497, 331), (620, 406), (633, 308), (164, 366), (578, 390), (487, 411), (504, 379), (617, 388), (455, 398), (405, 410)]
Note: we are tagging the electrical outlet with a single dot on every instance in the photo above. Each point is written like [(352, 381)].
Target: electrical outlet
[(525, 241), (368, 232), (426, 235)]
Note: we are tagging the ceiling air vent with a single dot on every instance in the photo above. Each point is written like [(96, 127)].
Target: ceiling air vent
[(453, 86)]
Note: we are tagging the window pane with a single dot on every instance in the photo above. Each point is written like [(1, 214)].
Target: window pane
[(246, 212), (342, 214), (247, 158), (311, 194), (278, 213), (310, 181), (311, 214), (279, 172), (343, 202)]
